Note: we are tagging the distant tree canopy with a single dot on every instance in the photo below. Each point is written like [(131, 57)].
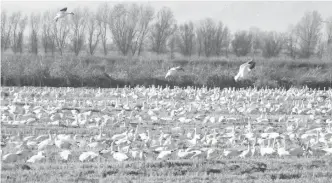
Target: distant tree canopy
[(162, 29), (241, 43), (308, 32), (186, 39), (272, 44), (130, 29), (212, 37)]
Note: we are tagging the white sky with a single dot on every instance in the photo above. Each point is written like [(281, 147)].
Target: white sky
[(266, 15)]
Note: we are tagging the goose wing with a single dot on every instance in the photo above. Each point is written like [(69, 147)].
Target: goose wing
[(243, 66), (64, 9), (179, 68)]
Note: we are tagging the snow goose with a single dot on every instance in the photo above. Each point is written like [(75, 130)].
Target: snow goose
[(88, 156), (62, 13), (165, 154), (65, 154), (10, 158), (47, 143), (119, 156), (246, 153), (24, 154), (116, 154), (184, 153), (37, 158), (244, 70), (172, 72), (62, 143), (231, 152)]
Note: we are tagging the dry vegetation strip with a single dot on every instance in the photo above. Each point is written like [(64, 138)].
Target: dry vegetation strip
[(28, 70)]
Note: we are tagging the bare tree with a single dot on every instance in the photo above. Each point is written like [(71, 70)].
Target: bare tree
[(228, 38), (102, 17), (6, 29), (257, 39), (329, 30), (329, 38), (321, 48), (221, 38), (186, 38), (78, 24), (199, 36), (291, 42), (308, 31), (34, 23), (22, 25), (272, 44), (14, 20), (94, 32), (162, 29), (48, 41), (60, 32), (207, 30), (145, 17), (241, 43), (123, 25), (172, 43)]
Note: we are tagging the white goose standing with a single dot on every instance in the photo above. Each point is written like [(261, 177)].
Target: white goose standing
[(62, 13), (245, 69)]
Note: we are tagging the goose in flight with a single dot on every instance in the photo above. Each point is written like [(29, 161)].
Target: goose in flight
[(245, 69), (62, 13), (172, 72)]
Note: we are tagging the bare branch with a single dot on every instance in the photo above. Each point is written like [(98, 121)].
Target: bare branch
[(145, 17), (14, 20), (94, 31), (78, 25), (186, 38), (123, 25), (241, 43), (103, 15), (60, 32), (162, 29), (308, 30), (34, 23)]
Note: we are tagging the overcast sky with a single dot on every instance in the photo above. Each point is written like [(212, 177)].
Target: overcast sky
[(266, 15)]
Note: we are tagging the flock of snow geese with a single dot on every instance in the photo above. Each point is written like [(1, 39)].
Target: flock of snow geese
[(161, 124)]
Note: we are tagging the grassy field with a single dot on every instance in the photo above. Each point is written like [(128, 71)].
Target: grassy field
[(89, 71), (209, 123)]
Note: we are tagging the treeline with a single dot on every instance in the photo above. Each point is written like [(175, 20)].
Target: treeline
[(131, 29)]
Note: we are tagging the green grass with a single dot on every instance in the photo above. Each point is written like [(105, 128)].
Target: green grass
[(30, 70)]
